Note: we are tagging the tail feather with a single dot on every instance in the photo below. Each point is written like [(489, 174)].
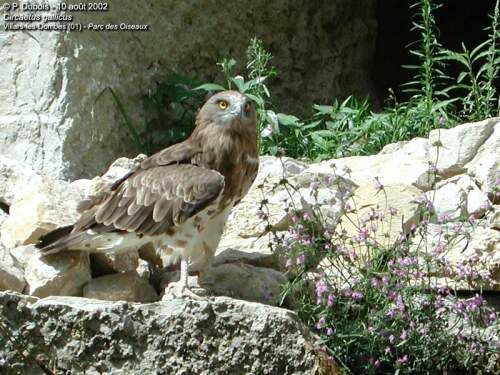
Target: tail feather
[(60, 239)]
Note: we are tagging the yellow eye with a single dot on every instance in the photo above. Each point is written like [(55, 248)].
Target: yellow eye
[(222, 104)]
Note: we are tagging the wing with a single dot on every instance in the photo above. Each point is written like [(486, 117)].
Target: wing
[(179, 153), (151, 201)]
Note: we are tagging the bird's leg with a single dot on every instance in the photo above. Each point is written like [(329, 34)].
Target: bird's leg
[(184, 280), (181, 288)]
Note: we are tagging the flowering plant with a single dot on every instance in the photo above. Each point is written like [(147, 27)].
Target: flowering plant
[(385, 304)]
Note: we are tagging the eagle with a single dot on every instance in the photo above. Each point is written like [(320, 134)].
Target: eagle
[(178, 199)]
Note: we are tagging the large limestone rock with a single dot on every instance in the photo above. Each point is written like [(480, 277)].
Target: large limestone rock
[(214, 336), (126, 286), (471, 254), (400, 199), (50, 114), (454, 148), (14, 176), (62, 274), (246, 229), (485, 167), (38, 209), (449, 202), (408, 165)]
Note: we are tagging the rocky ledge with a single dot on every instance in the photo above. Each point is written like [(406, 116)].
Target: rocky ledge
[(213, 336)]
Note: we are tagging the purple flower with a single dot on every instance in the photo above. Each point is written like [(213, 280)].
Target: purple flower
[(387, 350), (402, 360), (289, 263), (391, 339), (329, 331), (375, 282), (301, 258), (321, 323), (404, 335), (391, 313), (330, 179), (331, 300), (357, 295), (363, 234), (400, 303), (320, 288)]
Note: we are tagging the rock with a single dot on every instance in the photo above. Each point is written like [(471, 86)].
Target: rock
[(472, 255), (391, 169), (485, 166), (401, 198), (38, 209), (62, 274), (454, 148), (3, 217), (477, 203), (236, 280), (105, 263), (243, 281), (284, 167), (11, 277), (181, 336), (57, 114), (417, 148), (126, 286), (494, 218), (22, 254), (449, 202), (257, 258), (244, 231), (14, 176)]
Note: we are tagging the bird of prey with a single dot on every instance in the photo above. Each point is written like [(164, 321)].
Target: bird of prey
[(179, 198)]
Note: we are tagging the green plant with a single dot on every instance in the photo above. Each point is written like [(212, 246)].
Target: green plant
[(480, 69), (170, 111), (429, 77), (258, 72)]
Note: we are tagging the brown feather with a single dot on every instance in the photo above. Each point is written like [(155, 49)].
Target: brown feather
[(173, 185)]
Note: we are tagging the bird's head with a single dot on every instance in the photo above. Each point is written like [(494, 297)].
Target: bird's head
[(229, 109)]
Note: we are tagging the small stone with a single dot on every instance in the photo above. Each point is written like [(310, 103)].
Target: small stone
[(105, 263), (61, 274), (243, 281), (128, 286), (11, 276)]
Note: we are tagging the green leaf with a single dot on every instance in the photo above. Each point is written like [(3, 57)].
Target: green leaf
[(323, 109), (287, 120), (239, 81), (210, 87)]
